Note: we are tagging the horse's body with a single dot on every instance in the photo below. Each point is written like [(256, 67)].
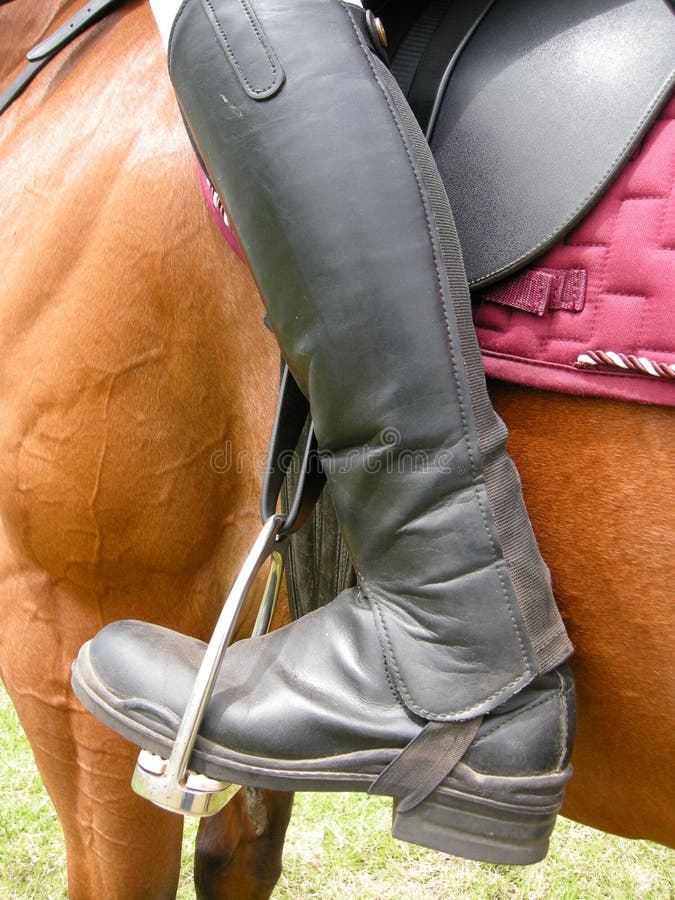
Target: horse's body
[(132, 351)]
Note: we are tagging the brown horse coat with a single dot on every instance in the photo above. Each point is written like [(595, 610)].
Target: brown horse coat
[(133, 354)]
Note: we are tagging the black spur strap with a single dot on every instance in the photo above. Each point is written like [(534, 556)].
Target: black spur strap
[(427, 760)]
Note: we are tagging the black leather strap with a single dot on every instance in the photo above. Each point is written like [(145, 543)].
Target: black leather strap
[(438, 36), (284, 455), (20, 83), (46, 50)]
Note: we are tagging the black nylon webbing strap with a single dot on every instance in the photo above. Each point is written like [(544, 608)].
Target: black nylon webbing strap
[(410, 52), (424, 59), (441, 53), (46, 50), (425, 762)]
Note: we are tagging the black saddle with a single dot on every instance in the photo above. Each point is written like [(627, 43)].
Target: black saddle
[(531, 108)]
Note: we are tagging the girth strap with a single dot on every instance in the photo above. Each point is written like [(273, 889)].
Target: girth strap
[(425, 762), (46, 50)]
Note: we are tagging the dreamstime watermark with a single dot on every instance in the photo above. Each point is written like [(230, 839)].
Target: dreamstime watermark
[(384, 454)]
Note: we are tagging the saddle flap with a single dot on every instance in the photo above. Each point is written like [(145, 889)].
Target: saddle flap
[(545, 104)]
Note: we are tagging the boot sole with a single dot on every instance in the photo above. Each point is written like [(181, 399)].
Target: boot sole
[(475, 828), (493, 819)]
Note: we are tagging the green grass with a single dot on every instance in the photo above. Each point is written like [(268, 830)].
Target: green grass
[(338, 847)]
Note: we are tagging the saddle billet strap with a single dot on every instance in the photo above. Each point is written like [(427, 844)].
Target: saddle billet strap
[(407, 55), (46, 50), (285, 455)]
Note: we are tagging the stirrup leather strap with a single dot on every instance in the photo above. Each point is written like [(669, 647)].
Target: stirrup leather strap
[(290, 418)]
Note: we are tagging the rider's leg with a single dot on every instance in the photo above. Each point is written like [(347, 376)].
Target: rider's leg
[(452, 638)]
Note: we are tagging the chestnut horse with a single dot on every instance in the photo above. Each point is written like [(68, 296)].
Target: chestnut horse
[(133, 350)]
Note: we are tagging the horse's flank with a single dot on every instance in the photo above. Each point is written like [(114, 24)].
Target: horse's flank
[(133, 356), (593, 474), (120, 377)]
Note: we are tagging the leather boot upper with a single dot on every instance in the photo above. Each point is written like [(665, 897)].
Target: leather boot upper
[(344, 220)]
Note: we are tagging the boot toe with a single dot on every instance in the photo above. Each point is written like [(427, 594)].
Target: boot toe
[(316, 689), (137, 678)]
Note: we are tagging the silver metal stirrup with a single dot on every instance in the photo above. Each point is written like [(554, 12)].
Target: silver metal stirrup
[(169, 783)]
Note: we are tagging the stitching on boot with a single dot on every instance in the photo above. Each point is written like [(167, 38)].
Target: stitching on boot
[(401, 689), (439, 281), (230, 51), (391, 681), (563, 719), (557, 696)]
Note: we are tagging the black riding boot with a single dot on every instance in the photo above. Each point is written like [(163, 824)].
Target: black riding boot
[(450, 646)]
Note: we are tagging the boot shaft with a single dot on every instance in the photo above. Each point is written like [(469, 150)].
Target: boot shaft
[(346, 225)]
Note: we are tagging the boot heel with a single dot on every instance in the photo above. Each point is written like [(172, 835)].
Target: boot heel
[(478, 828)]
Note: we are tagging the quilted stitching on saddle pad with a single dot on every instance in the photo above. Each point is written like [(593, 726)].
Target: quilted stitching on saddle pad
[(596, 314)]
